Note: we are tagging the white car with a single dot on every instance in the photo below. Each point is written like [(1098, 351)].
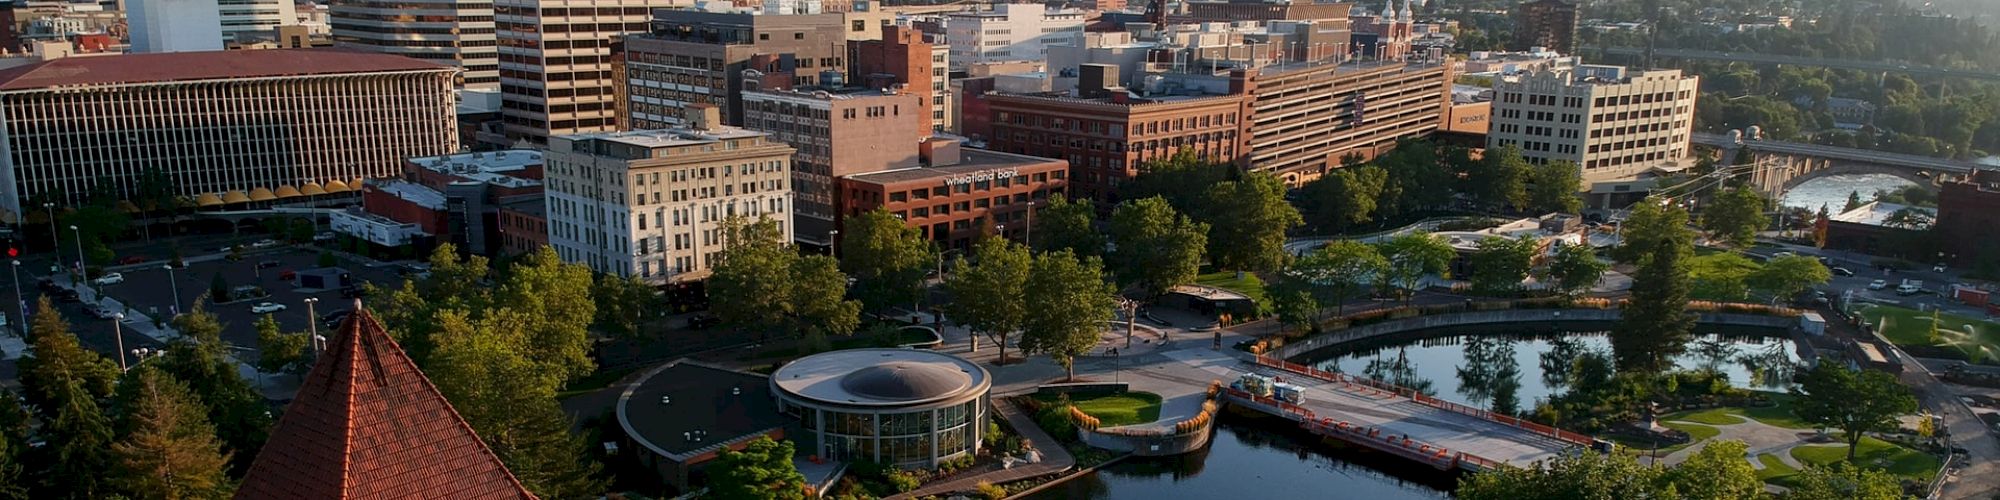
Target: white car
[(109, 279), (1878, 284), (266, 307), (1938, 268), (264, 244)]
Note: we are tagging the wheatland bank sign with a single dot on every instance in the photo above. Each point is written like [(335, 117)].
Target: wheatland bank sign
[(980, 176)]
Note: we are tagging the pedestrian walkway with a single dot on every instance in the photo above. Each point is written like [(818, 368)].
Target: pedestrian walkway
[(1055, 459)]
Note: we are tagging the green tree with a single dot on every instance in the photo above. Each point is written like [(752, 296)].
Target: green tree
[(1853, 201), (1844, 481), (169, 450), (1411, 257), (1718, 470), (1735, 217), (1500, 179), (1720, 276), (1066, 224), (201, 359), (1554, 187), (817, 307), (1647, 224), (886, 258), (1340, 268), (1416, 180), (554, 298), (763, 470), (1294, 303), (624, 303), (749, 288), (58, 359), (1156, 248), (1573, 269), (989, 294), (1343, 198), (1071, 302), (15, 478), (1499, 265), (1857, 402), (486, 369), (1182, 179), (1248, 219), (1570, 476), (280, 352), (1908, 218), (1655, 324), (63, 381), (1788, 275), (218, 289)]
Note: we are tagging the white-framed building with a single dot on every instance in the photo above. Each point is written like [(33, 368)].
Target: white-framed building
[(375, 228), (1611, 122), (257, 17), (226, 128), (449, 32), (1011, 32), (651, 204), (174, 25)]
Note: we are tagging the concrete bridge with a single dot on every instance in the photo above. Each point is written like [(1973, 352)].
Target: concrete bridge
[(1778, 166)]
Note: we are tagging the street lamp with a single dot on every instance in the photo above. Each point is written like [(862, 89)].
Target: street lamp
[(173, 283), (1000, 228), (55, 237), (18, 298), (1030, 240), (833, 243), (79, 251), (312, 324), (118, 332)]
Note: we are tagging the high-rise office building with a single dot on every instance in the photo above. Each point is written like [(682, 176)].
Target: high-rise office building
[(1010, 32), (449, 32), (1611, 122), (902, 59), (1305, 117), (255, 16), (693, 57), (651, 204), (234, 128), (173, 26), (838, 132), (1549, 24), (555, 63)]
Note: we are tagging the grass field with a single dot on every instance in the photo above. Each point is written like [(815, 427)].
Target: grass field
[(1779, 414), (1112, 410), (1903, 462), (1249, 285), (1775, 471), (1978, 339)]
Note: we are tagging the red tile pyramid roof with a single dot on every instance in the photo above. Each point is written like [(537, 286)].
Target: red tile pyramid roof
[(367, 424)]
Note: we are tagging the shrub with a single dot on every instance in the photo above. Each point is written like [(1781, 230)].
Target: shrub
[(993, 434), (990, 492), (903, 481), (1056, 420)]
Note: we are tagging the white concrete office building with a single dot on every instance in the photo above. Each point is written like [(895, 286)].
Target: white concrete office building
[(1010, 32), (449, 32), (555, 63), (1613, 123), (255, 16), (651, 204)]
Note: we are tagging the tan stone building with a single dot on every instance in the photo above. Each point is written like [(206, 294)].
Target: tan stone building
[(651, 204), (1613, 123)]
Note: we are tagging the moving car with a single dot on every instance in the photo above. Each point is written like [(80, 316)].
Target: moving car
[(109, 279), (323, 237), (67, 295), (1842, 271), (132, 259), (1938, 268), (268, 264), (1909, 289), (102, 312), (334, 318), (266, 307), (264, 243), (1878, 284)]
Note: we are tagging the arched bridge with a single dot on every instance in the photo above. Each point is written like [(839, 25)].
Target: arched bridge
[(1779, 166)]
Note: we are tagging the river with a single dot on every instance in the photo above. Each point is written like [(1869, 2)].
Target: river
[(1832, 191), (1264, 458)]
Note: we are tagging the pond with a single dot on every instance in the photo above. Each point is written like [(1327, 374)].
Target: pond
[(1480, 364), (1253, 457)]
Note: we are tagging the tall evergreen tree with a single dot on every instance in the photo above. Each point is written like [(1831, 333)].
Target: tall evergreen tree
[(201, 360), (169, 451), (1655, 324), (79, 449), (59, 358)]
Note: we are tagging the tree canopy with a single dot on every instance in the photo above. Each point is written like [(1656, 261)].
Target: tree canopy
[(1499, 265), (1735, 216), (989, 293), (763, 470), (1573, 269), (1854, 401), (1155, 247), (1066, 224), (1411, 257), (1071, 303), (1340, 268), (1247, 220), (886, 258), (760, 284)]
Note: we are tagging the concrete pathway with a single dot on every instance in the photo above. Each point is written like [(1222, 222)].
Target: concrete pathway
[(1760, 438)]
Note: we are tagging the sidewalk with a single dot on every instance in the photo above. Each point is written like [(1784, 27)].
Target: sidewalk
[(1055, 459)]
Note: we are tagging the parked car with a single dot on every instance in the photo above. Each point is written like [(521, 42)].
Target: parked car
[(109, 279), (266, 307), (102, 312), (324, 237), (353, 291), (287, 275), (67, 295), (47, 284), (1842, 271), (334, 318), (264, 243), (701, 321), (1910, 288), (1878, 284), (267, 264), (1938, 268), (132, 259)]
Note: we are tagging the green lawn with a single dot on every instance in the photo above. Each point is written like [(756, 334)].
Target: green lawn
[(1112, 410), (1978, 339), (1249, 285), (1711, 416), (1903, 462), (1775, 471), (1637, 447), (1779, 414)]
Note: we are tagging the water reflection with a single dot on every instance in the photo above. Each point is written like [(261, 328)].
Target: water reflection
[(1259, 458)]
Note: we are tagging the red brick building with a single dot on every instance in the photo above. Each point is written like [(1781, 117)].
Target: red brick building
[(1106, 139), (1969, 216), (457, 199), (524, 226), (959, 194), (901, 57)]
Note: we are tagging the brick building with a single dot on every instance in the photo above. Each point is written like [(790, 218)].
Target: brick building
[(902, 60), (691, 57), (1107, 134), (1304, 117), (1549, 24), (838, 132), (455, 199), (959, 194), (1969, 216)]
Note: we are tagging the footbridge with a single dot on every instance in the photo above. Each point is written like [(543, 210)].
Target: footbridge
[(1779, 166), (1406, 423)]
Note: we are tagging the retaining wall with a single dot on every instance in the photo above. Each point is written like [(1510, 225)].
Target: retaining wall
[(1328, 339), (1149, 445)]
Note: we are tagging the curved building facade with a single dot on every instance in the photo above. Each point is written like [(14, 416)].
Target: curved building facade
[(903, 407)]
